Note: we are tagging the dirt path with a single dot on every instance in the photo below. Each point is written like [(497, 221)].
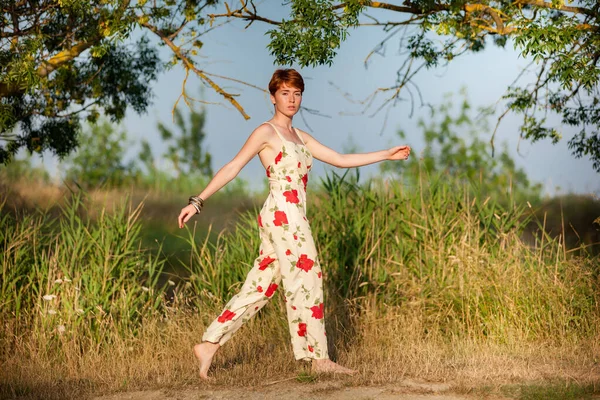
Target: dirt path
[(291, 390)]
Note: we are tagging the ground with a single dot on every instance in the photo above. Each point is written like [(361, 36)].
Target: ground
[(293, 390)]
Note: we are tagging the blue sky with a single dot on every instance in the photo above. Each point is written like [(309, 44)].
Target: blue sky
[(241, 53)]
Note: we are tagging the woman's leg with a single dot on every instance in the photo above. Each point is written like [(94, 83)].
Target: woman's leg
[(260, 285), (303, 284), (204, 353)]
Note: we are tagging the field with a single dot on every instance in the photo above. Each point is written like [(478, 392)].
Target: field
[(101, 294)]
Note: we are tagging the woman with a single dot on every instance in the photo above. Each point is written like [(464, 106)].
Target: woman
[(287, 251)]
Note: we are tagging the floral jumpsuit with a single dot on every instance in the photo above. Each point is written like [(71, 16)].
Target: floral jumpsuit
[(287, 256)]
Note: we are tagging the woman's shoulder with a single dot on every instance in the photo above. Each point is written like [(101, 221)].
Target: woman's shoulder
[(265, 126), (264, 129), (303, 135), (264, 132)]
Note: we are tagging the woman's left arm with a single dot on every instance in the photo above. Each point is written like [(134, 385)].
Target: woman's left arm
[(330, 156)]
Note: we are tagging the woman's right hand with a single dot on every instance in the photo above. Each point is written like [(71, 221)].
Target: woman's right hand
[(186, 213)]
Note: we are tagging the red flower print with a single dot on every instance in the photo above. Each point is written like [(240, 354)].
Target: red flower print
[(299, 165), (295, 237), (317, 311), (319, 274), (305, 180), (291, 196), (293, 307), (304, 263), (288, 252), (265, 262), (271, 289), (226, 316), (288, 178), (302, 329), (259, 289), (280, 218), (310, 348), (278, 158), (268, 172), (260, 221)]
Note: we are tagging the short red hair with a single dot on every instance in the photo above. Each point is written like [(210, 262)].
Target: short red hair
[(289, 76)]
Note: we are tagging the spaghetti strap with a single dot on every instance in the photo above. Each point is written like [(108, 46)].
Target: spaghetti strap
[(281, 136), (299, 137), (276, 131)]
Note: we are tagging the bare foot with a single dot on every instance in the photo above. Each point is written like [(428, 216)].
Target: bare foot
[(327, 366), (205, 352)]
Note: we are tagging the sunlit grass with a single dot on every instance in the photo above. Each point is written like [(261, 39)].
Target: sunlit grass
[(432, 283)]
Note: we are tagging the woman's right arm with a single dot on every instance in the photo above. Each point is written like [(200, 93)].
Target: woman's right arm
[(255, 143)]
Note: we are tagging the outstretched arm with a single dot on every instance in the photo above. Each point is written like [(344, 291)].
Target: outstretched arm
[(330, 156), (255, 143)]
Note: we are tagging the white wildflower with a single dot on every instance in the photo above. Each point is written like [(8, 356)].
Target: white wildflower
[(66, 280), (49, 297), (145, 289), (51, 312), (61, 329), (171, 283), (59, 281)]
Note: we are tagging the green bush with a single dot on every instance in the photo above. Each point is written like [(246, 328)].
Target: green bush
[(454, 260), (78, 274)]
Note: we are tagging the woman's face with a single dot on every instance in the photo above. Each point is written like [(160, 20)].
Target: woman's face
[(287, 100)]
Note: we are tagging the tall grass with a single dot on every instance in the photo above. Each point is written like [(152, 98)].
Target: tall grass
[(430, 281), (454, 261), (73, 279)]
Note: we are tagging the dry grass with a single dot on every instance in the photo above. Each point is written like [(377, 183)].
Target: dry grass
[(385, 350), (434, 286)]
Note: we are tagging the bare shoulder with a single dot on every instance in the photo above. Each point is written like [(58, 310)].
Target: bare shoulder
[(263, 131), (304, 136), (262, 134)]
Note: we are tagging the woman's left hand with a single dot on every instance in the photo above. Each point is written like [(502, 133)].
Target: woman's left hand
[(399, 153)]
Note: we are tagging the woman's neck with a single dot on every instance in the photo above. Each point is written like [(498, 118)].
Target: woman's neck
[(283, 121)]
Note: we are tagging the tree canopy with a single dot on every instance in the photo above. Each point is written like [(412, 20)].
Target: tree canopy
[(64, 60), (562, 40)]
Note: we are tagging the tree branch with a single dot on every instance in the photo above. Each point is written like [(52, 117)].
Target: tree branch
[(190, 65), (48, 66), (496, 15), (243, 13), (64, 56), (413, 9), (547, 4)]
